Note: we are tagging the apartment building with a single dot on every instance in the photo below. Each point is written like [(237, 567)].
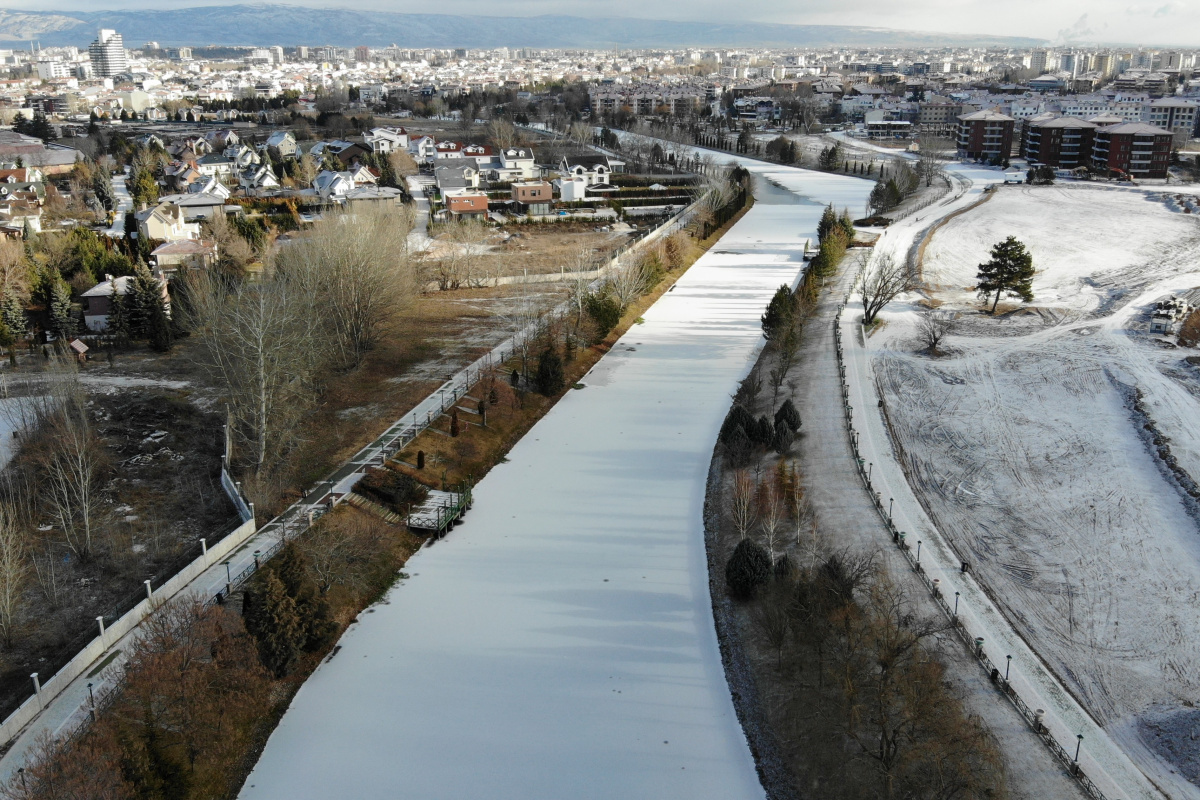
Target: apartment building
[(1134, 148), (1059, 142), (107, 54), (1175, 114), (985, 135)]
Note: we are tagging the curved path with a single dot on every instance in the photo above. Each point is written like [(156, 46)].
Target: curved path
[(560, 642)]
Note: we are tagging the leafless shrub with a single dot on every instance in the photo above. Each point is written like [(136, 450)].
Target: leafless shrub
[(933, 326)]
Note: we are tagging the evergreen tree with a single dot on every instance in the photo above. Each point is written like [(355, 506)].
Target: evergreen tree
[(158, 329), (12, 312), (118, 319), (272, 620), (144, 295), (780, 313), (847, 225), (748, 568), (1010, 271), (41, 128), (550, 373), (827, 224), (788, 415), (102, 186), (311, 609), (62, 321)]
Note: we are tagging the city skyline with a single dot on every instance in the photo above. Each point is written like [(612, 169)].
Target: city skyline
[(1106, 22)]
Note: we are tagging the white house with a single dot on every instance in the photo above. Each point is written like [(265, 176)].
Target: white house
[(256, 178), (572, 189), (386, 140), (165, 222), (595, 168), (517, 164), (281, 144), (424, 149), (215, 166)]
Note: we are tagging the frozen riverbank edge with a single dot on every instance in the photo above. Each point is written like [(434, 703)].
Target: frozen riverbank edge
[(777, 780)]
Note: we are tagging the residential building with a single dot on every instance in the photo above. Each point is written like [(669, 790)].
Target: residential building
[(985, 135), (1175, 114), (107, 54), (281, 145), (594, 168), (386, 140), (533, 197), (1133, 148), (466, 203), (97, 301), (170, 257), (1059, 142), (165, 222)]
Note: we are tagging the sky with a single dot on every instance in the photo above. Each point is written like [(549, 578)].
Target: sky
[(1166, 22)]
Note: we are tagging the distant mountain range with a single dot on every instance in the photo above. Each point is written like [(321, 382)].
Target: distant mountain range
[(269, 24)]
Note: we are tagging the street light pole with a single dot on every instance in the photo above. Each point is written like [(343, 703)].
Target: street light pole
[(1007, 667), (1078, 745), (918, 552), (956, 605)]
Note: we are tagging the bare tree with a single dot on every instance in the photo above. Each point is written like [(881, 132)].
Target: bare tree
[(264, 343), (73, 460), (14, 570), (468, 237), (525, 319), (884, 279), (630, 279), (358, 264), (502, 133), (933, 326), (402, 164), (773, 514), (233, 251), (932, 154), (743, 507)]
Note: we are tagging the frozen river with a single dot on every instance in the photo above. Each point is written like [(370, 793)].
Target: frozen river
[(560, 643)]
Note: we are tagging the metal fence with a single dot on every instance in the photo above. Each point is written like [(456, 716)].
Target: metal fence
[(974, 644)]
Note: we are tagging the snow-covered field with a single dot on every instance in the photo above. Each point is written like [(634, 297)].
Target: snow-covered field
[(560, 642), (1023, 446)]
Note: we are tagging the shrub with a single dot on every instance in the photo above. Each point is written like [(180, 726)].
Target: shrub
[(748, 568), (391, 488), (550, 373), (605, 311)]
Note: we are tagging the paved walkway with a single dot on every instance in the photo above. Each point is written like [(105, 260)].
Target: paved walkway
[(846, 516)]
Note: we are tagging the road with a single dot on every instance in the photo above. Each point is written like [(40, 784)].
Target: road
[(124, 205)]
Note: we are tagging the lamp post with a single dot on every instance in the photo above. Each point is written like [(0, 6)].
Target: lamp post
[(956, 605), (1078, 744), (918, 552), (91, 701), (1007, 667), (870, 468), (24, 786), (228, 579), (890, 501)]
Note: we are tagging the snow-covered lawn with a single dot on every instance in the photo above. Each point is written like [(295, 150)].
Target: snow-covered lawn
[(1023, 446), (560, 642)]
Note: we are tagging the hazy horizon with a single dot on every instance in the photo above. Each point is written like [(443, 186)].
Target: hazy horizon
[(1101, 21)]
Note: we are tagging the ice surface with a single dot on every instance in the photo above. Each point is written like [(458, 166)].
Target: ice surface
[(559, 643)]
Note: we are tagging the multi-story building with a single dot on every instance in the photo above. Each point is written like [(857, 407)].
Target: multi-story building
[(1175, 114), (1037, 61), (1059, 142), (107, 54), (939, 116), (985, 135), (1134, 148), (362, 54)]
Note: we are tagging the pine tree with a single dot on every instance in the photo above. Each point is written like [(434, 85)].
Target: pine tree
[(748, 568), (12, 311), (827, 224), (788, 415), (62, 322), (780, 313), (158, 329), (118, 319), (847, 225), (1010, 271), (145, 292), (272, 620), (550, 373)]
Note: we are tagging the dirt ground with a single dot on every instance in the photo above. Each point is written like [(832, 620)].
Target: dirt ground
[(160, 494)]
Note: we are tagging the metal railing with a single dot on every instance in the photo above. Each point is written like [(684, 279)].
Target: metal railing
[(974, 644)]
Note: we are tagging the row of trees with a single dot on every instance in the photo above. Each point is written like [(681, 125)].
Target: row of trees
[(321, 305)]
